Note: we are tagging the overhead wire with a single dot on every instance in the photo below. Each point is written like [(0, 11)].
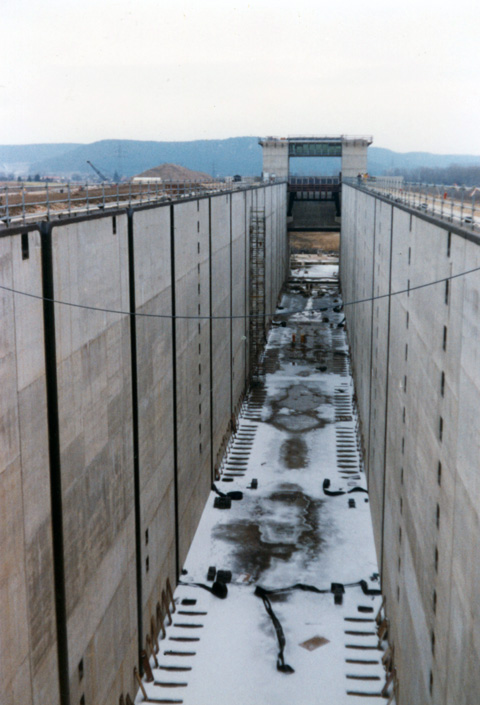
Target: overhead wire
[(276, 314)]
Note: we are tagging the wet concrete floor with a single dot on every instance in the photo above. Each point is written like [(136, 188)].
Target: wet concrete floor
[(288, 425), (297, 430)]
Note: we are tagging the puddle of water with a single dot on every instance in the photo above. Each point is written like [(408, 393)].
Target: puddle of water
[(294, 453), (305, 406), (282, 524), (299, 422)]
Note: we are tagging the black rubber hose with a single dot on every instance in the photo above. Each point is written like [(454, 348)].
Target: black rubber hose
[(235, 494), (281, 665)]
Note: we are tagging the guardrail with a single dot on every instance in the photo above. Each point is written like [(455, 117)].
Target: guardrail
[(21, 204), (455, 204)]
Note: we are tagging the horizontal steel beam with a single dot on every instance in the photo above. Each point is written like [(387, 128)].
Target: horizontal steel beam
[(315, 149)]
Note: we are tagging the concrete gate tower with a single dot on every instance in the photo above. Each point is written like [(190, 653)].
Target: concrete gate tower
[(278, 150)]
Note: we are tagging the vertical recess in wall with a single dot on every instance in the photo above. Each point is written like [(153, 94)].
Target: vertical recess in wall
[(174, 386), (210, 333), (273, 279), (247, 285), (382, 562), (372, 294), (55, 464), (136, 459), (231, 310), (265, 259)]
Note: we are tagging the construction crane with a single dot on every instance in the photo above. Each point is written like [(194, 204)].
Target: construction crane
[(97, 171)]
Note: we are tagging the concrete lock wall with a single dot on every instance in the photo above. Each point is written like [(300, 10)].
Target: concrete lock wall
[(153, 294), (112, 425), (94, 367), (28, 650), (193, 410), (416, 365)]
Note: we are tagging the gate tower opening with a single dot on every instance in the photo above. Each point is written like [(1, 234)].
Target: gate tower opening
[(323, 192)]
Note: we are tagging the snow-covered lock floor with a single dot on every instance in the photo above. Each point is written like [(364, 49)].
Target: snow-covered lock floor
[(298, 429)]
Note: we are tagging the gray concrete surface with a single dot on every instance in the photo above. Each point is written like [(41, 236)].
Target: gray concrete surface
[(275, 157), (416, 370), (192, 276), (354, 156), (96, 435), (28, 657), (153, 292)]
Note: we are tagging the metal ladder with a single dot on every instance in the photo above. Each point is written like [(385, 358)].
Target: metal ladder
[(257, 286)]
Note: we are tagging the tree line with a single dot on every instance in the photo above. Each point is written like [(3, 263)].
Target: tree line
[(453, 175)]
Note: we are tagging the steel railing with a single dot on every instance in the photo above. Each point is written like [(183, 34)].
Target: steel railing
[(455, 204), (21, 204)]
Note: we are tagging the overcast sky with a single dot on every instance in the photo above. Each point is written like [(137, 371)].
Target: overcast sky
[(407, 73)]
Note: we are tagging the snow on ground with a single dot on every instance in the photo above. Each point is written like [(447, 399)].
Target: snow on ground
[(316, 271), (298, 428)]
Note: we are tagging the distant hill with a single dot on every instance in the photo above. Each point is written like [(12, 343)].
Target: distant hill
[(381, 160), (236, 155), (19, 158), (33, 152), (240, 155)]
